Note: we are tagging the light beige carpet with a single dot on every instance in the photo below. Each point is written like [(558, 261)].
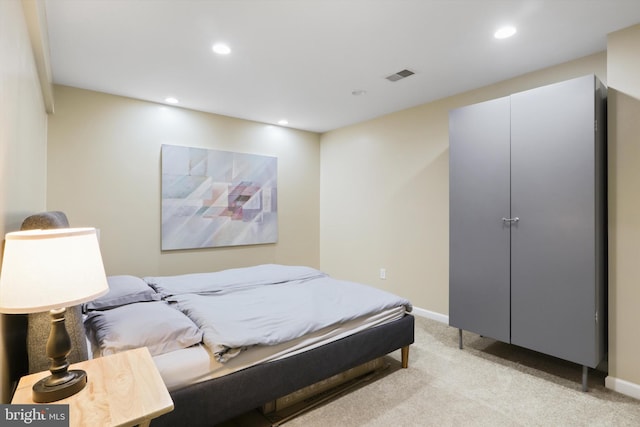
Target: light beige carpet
[(488, 383)]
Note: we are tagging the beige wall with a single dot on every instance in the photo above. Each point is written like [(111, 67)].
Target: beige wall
[(385, 192), (623, 67), (104, 171), (23, 124)]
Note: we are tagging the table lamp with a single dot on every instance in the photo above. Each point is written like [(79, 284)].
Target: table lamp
[(51, 270)]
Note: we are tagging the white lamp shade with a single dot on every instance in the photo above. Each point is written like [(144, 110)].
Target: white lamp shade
[(50, 269)]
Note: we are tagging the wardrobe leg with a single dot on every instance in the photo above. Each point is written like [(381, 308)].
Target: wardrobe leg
[(460, 339), (585, 375)]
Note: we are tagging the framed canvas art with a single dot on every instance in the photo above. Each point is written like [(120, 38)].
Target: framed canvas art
[(213, 198)]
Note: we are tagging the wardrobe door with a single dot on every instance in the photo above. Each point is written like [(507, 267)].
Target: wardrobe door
[(479, 199), (553, 247)]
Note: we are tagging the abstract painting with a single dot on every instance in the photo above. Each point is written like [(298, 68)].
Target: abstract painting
[(213, 198)]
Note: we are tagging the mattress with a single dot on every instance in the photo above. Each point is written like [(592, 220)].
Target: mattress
[(195, 364)]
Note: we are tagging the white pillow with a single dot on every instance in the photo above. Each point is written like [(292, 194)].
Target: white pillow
[(155, 325)]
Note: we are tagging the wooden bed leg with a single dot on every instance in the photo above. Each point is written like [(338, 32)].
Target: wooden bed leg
[(405, 356)]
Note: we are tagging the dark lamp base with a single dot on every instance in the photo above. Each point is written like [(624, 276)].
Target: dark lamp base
[(45, 393)]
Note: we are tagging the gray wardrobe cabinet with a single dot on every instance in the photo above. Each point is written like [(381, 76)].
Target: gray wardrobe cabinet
[(528, 220)]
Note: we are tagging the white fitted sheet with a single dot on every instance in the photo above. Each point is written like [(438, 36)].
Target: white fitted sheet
[(195, 364)]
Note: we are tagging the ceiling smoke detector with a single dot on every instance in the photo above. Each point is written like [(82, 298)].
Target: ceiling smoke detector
[(399, 75)]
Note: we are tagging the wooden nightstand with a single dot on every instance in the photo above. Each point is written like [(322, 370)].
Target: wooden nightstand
[(124, 389)]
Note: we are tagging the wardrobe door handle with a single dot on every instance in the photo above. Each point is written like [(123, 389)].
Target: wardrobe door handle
[(516, 219)]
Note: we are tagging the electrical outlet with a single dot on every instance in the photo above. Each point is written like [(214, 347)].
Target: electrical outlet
[(383, 273)]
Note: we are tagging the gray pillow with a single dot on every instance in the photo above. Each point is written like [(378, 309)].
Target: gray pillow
[(155, 325), (123, 290)]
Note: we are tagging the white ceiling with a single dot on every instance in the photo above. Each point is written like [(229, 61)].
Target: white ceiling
[(302, 59)]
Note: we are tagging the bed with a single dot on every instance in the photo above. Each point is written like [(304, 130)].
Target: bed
[(230, 341)]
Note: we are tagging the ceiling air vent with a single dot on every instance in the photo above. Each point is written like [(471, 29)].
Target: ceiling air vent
[(399, 75)]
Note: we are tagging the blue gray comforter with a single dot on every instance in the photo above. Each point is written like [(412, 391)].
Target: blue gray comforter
[(268, 304)]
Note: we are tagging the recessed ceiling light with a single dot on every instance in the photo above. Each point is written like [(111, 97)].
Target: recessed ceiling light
[(359, 92), (221, 49), (283, 122), (171, 100), (504, 32)]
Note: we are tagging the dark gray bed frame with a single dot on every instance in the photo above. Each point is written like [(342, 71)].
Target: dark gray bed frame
[(211, 402), (214, 401)]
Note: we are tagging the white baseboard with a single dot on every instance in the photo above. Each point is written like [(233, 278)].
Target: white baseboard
[(430, 315), (622, 386)]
